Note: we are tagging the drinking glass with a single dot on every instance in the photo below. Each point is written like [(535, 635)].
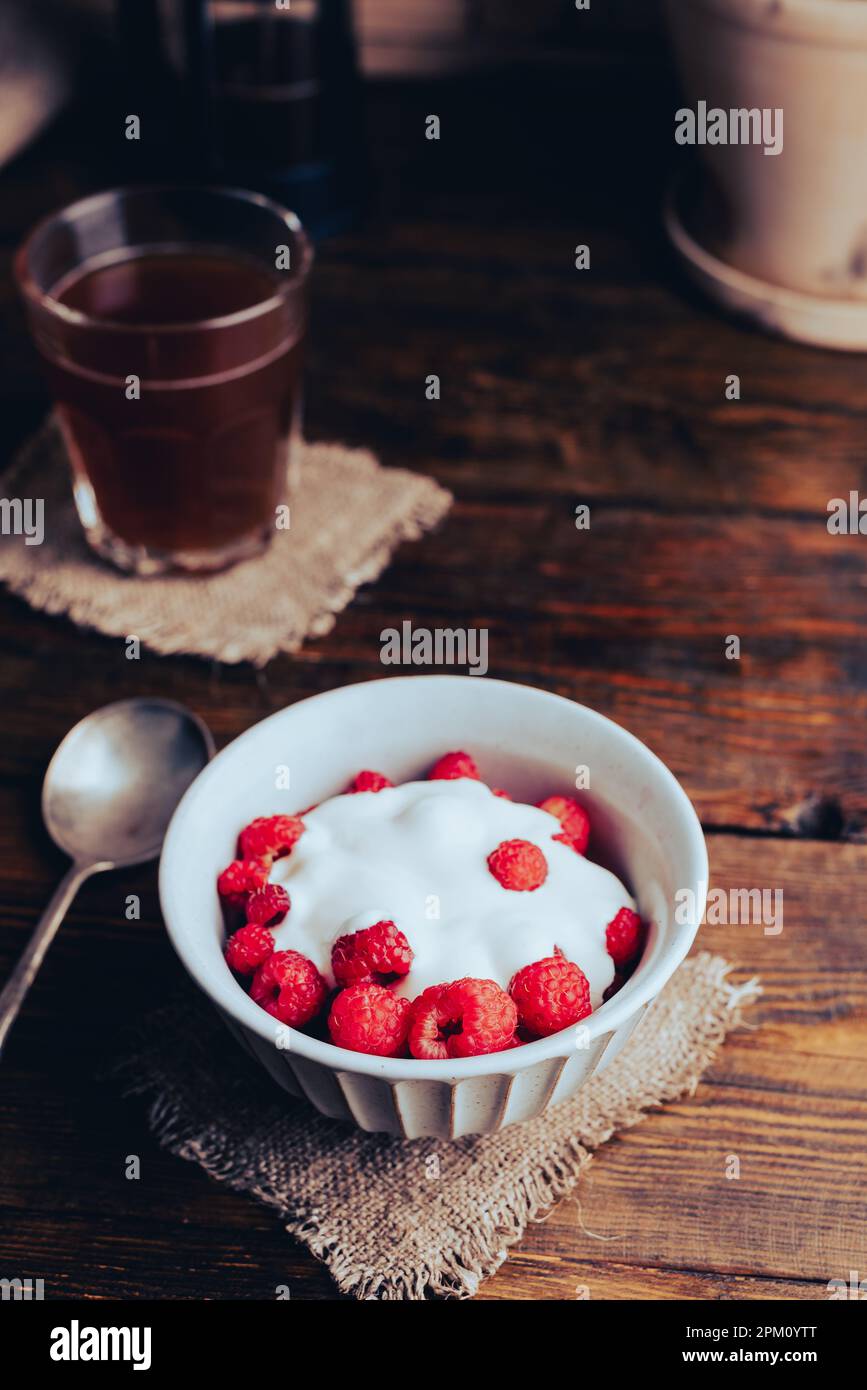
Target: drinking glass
[(171, 323)]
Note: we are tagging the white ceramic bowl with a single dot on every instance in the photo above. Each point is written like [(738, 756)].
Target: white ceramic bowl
[(525, 740)]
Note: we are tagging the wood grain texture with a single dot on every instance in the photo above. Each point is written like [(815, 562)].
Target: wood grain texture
[(707, 518)]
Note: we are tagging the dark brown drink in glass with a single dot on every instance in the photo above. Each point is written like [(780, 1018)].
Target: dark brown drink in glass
[(175, 362)]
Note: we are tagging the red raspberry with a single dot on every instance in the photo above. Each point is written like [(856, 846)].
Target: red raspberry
[(463, 1019), (518, 865), (249, 948), (268, 905), (289, 987), (498, 791), (572, 817), (374, 955), (242, 877), (549, 995), (452, 765), (367, 1017), (369, 782), (424, 1037), (270, 837), (623, 936)]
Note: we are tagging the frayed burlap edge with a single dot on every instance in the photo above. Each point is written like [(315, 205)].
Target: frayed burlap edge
[(253, 612), (544, 1158)]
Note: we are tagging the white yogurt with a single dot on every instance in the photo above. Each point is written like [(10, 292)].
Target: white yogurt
[(417, 855)]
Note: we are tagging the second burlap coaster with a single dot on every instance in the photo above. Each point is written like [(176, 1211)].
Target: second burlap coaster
[(407, 1219), (348, 515)]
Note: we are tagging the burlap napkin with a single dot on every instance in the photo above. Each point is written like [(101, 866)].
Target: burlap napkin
[(348, 515), (407, 1219)]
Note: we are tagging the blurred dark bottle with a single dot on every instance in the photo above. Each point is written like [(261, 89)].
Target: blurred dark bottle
[(264, 94)]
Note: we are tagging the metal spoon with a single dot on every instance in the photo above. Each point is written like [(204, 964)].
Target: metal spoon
[(108, 795)]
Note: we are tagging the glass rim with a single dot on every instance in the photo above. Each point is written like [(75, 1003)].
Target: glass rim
[(42, 299)]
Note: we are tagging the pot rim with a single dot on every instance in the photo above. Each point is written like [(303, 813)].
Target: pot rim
[(830, 23)]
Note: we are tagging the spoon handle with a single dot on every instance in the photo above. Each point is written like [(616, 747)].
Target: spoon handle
[(25, 972)]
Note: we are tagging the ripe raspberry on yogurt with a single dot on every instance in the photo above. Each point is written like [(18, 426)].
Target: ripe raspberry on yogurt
[(267, 906), (367, 1017), (463, 1019), (290, 988), (518, 866), (270, 837), (623, 937), (453, 765), (438, 916), (249, 948), (550, 995), (417, 855), (240, 879), (369, 782), (573, 818), (377, 954)]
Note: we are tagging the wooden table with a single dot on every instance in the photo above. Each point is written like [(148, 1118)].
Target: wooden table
[(708, 518)]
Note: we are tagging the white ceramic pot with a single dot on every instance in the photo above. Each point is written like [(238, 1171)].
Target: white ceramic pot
[(798, 219), (526, 740)]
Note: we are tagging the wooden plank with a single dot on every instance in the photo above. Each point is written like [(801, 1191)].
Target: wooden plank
[(528, 1276), (641, 418), (784, 721)]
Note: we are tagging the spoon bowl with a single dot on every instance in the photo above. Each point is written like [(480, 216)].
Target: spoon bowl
[(115, 780)]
